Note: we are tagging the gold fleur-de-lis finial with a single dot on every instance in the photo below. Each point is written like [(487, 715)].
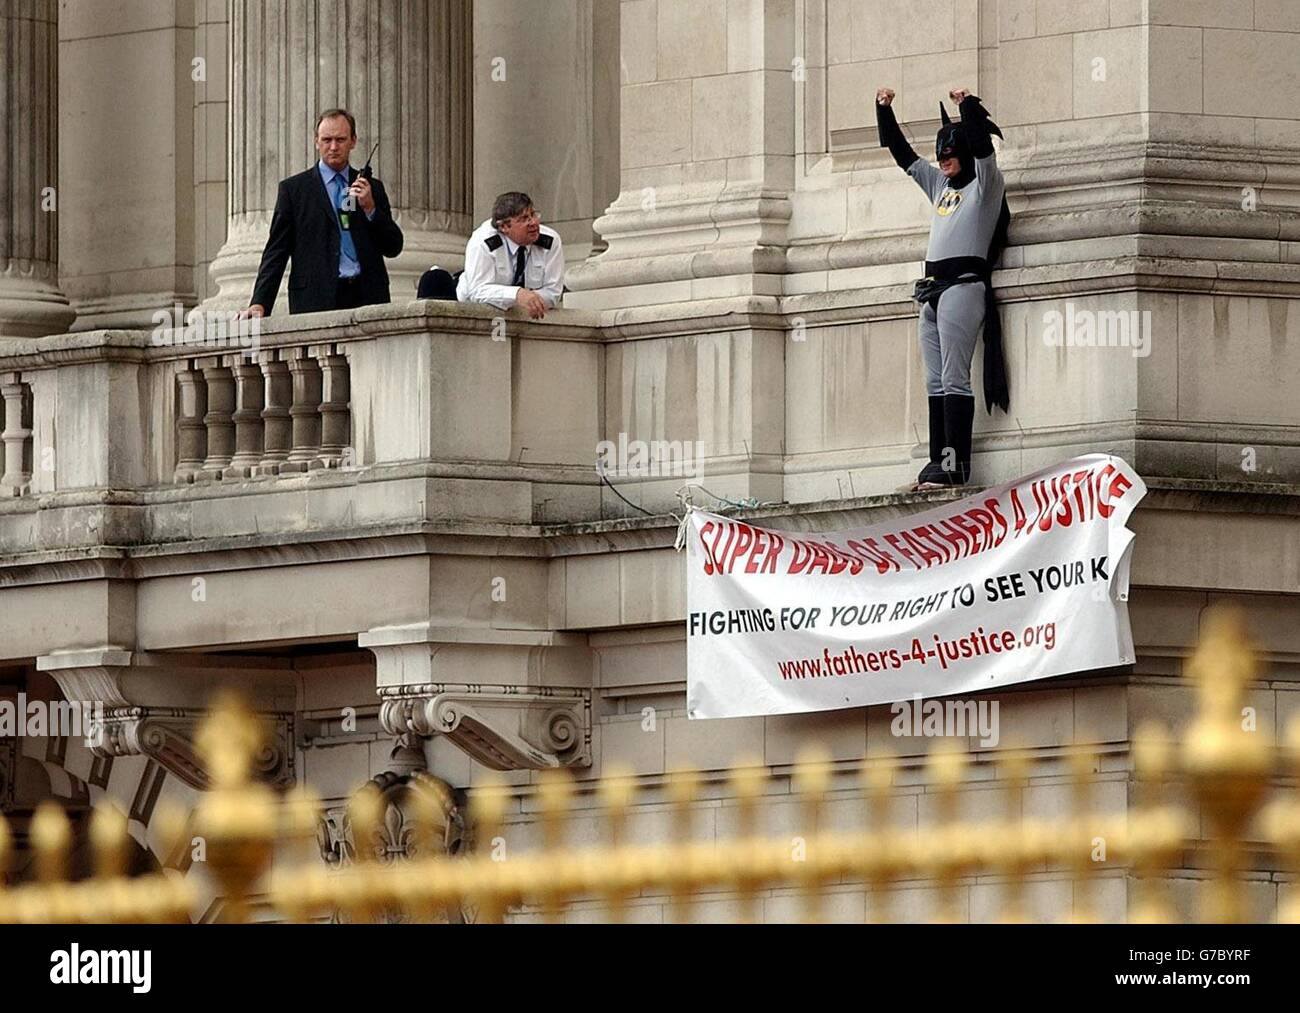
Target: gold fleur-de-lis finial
[(812, 779), (616, 792), (747, 780), (555, 794), (1226, 757), (487, 811), (228, 741)]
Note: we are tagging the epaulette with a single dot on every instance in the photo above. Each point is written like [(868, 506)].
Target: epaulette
[(545, 241), (494, 242)]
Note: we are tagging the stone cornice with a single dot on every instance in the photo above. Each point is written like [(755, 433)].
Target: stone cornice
[(549, 541)]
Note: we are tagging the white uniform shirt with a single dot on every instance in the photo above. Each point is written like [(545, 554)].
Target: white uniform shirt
[(490, 268)]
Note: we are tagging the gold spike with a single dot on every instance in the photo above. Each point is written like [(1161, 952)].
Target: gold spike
[(237, 819), (946, 764), (555, 793), (747, 782), (616, 791), (108, 840), (1226, 765), (51, 836), (683, 789), (228, 740), (1080, 834), (812, 780), (487, 808), (878, 779), (1152, 759), (1015, 860)]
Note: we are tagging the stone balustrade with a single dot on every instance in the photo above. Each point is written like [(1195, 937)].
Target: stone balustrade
[(388, 415), (280, 412)]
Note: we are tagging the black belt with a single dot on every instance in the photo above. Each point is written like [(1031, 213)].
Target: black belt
[(954, 267), (349, 282), (942, 275), (928, 290)]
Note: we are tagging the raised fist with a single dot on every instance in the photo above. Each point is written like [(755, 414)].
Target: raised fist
[(885, 96)]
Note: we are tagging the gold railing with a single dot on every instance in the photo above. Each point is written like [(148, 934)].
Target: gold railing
[(1236, 779)]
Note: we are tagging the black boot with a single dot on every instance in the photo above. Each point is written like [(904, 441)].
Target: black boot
[(933, 472), (958, 421)]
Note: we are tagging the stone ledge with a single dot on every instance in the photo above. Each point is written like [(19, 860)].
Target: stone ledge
[(427, 633)]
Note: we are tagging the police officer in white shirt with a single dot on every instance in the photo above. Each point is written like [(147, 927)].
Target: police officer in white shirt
[(512, 259)]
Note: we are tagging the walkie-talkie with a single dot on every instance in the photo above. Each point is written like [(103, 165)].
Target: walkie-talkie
[(345, 217)]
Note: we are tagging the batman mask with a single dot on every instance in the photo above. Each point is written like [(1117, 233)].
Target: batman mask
[(952, 142)]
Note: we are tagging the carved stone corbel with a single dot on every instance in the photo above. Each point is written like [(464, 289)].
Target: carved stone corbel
[(151, 705), (502, 727), (511, 699), (167, 735)]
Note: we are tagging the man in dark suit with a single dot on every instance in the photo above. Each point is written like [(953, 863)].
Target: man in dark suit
[(336, 226)]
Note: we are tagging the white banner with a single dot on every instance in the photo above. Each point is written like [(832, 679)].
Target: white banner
[(1021, 582)]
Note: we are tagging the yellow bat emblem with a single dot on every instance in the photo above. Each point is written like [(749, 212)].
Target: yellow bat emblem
[(948, 202)]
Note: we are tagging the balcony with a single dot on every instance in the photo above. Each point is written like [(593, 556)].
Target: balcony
[(381, 417)]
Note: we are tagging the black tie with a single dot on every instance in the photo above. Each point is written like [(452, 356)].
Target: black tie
[(519, 268)]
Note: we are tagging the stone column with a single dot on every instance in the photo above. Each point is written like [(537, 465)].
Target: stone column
[(403, 68), (548, 86), (31, 304), (708, 127)]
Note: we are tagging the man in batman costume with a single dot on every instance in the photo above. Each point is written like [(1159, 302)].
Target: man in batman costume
[(967, 235)]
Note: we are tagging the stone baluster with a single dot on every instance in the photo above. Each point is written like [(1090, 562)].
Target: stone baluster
[(250, 400), (306, 372), (219, 419), (191, 430), (277, 396), (17, 434), (335, 406)]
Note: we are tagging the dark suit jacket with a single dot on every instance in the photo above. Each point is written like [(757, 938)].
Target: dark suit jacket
[(305, 229)]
